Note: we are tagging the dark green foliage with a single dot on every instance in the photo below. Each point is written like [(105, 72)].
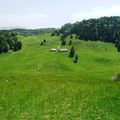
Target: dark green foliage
[(106, 29), (44, 40), (58, 33), (41, 43), (52, 34), (63, 42), (9, 41), (117, 45), (55, 33), (70, 43), (17, 45), (66, 29), (71, 36), (63, 37), (6, 48), (72, 52), (76, 59)]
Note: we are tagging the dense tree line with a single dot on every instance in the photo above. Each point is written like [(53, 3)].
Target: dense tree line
[(106, 29), (9, 41)]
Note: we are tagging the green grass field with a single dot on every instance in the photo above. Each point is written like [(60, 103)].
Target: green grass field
[(38, 85)]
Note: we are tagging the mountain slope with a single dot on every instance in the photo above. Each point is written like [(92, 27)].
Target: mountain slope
[(37, 84)]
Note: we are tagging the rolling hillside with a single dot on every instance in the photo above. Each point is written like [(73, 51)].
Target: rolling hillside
[(36, 84)]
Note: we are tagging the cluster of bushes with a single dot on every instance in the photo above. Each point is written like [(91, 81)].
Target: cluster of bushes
[(63, 41), (55, 33), (42, 43), (106, 29), (9, 41)]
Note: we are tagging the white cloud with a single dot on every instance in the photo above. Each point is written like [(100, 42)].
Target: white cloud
[(97, 12)]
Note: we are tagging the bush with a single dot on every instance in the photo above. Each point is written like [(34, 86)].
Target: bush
[(44, 40)]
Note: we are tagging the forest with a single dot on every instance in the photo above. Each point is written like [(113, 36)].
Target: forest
[(105, 29)]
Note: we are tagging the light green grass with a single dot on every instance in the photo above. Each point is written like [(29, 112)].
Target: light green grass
[(59, 89)]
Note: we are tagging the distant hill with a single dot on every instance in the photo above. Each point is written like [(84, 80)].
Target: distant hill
[(26, 32)]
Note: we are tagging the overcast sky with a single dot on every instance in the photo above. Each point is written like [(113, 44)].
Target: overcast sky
[(53, 13)]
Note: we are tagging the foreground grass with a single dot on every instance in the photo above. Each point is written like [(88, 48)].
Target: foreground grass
[(38, 85)]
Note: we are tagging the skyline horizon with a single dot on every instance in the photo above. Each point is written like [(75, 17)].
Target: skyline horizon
[(52, 13), (22, 27)]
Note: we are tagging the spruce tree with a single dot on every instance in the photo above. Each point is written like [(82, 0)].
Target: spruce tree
[(70, 42), (63, 42), (76, 59), (44, 40), (72, 52)]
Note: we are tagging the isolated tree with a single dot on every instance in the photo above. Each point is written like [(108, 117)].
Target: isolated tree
[(76, 59), (63, 42), (70, 43), (72, 52), (44, 40)]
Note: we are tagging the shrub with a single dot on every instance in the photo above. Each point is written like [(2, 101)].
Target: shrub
[(44, 40)]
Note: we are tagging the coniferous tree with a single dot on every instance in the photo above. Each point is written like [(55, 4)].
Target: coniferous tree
[(71, 37), (44, 40), (76, 59), (72, 52), (70, 42), (63, 42)]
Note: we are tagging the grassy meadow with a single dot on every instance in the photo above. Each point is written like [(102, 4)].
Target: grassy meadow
[(36, 84)]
